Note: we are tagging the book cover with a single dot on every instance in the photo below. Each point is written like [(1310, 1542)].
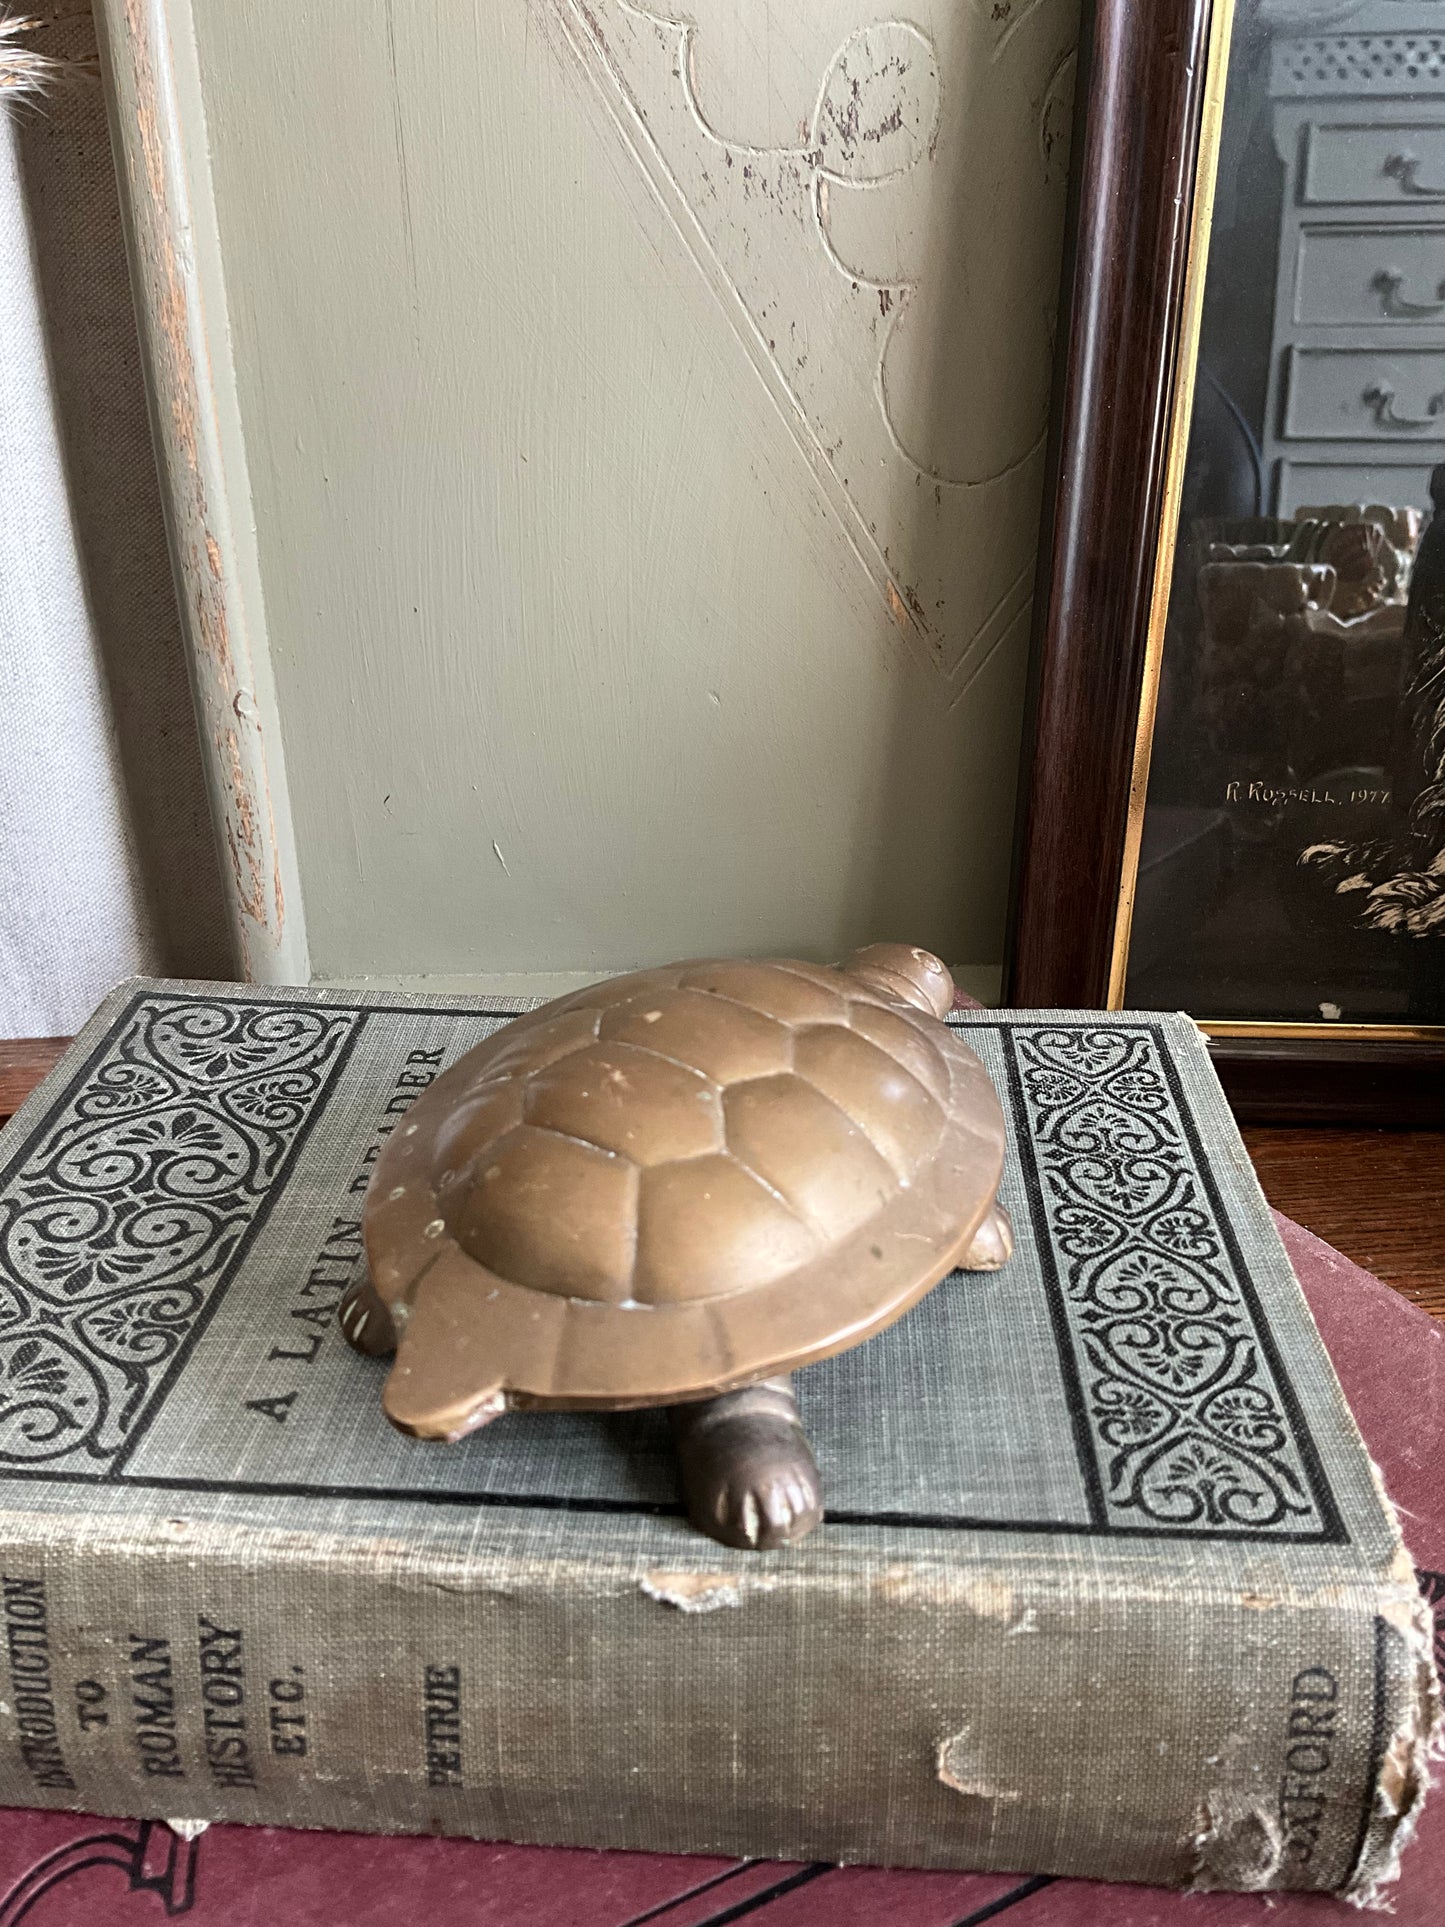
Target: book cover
[(1106, 1585)]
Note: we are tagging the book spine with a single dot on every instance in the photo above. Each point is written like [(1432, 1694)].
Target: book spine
[(1036, 1718)]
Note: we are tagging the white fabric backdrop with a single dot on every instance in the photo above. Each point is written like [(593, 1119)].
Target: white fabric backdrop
[(73, 916)]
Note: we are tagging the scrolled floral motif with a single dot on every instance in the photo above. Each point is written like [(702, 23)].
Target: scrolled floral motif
[(51, 1399), (1248, 1417), (1084, 1231), (1174, 1376), (1172, 1360), (1128, 1416), (216, 1044), (1194, 1481), (119, 1087), (119, 1219), (142, 1329), (1122, 1181), (1140, 1278), (1185, 1230)]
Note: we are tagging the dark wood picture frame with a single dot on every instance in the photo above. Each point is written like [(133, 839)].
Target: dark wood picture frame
[(1143, 96)]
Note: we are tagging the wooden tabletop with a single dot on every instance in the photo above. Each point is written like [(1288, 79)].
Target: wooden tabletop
[(23, 1062), (1378, 1196)]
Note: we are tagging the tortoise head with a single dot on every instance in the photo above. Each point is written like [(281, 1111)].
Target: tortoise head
[(904, 971)]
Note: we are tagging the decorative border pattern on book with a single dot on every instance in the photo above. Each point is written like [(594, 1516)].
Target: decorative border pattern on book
[(1188, 1420), (124, 1212)]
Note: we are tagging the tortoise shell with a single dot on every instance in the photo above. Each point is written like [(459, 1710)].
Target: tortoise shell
[(675, 1183)]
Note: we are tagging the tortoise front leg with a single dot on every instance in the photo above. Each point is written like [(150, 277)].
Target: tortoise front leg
[(991, 1246), (747, 1469), (365, 1319)]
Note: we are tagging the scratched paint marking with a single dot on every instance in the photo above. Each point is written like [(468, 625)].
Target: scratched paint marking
[(878, 206)]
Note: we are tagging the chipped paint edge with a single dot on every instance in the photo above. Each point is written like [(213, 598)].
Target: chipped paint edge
[(153, 97)]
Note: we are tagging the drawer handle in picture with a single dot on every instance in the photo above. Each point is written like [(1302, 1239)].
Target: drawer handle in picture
[(1381, 398), (1356, 162), (1364, 394), (1348, 276), (1405, 168), (1388, 283)]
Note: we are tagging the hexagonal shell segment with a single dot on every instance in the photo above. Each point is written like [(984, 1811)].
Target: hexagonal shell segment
[(723, 1040), (628, 1101)]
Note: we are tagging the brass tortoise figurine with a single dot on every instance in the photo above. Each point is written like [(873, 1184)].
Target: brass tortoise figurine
[(673, 1188)]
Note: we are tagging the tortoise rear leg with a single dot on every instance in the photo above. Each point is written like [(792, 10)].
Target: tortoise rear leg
[(991, 1246), (366, 1320), (747, 1469)]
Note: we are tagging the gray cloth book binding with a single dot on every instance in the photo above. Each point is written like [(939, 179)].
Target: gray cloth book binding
[(1105, 1587)]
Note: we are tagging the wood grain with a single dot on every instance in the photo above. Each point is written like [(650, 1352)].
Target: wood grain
[(1143, 69), (1330, 1080), (24, 1061), (1377, 1196)]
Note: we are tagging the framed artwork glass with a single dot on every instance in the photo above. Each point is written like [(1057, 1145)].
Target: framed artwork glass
[(1234, 801)]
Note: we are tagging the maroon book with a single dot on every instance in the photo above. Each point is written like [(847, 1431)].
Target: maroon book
[(62, 1870)]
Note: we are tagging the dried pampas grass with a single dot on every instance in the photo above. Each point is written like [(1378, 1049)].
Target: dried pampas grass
[(24, 74)]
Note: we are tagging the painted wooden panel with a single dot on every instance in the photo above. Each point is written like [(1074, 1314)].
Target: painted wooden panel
[(643, 407)]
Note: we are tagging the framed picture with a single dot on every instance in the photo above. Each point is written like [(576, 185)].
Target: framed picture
[(1233, 799)]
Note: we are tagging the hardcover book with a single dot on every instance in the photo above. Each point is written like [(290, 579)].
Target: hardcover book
[(1106, 1585)]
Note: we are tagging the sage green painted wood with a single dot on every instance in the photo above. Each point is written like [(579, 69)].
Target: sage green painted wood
[(645, 569), (157, 129)]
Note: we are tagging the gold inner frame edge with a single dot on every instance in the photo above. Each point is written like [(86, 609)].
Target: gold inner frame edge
[(1201, 222)]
